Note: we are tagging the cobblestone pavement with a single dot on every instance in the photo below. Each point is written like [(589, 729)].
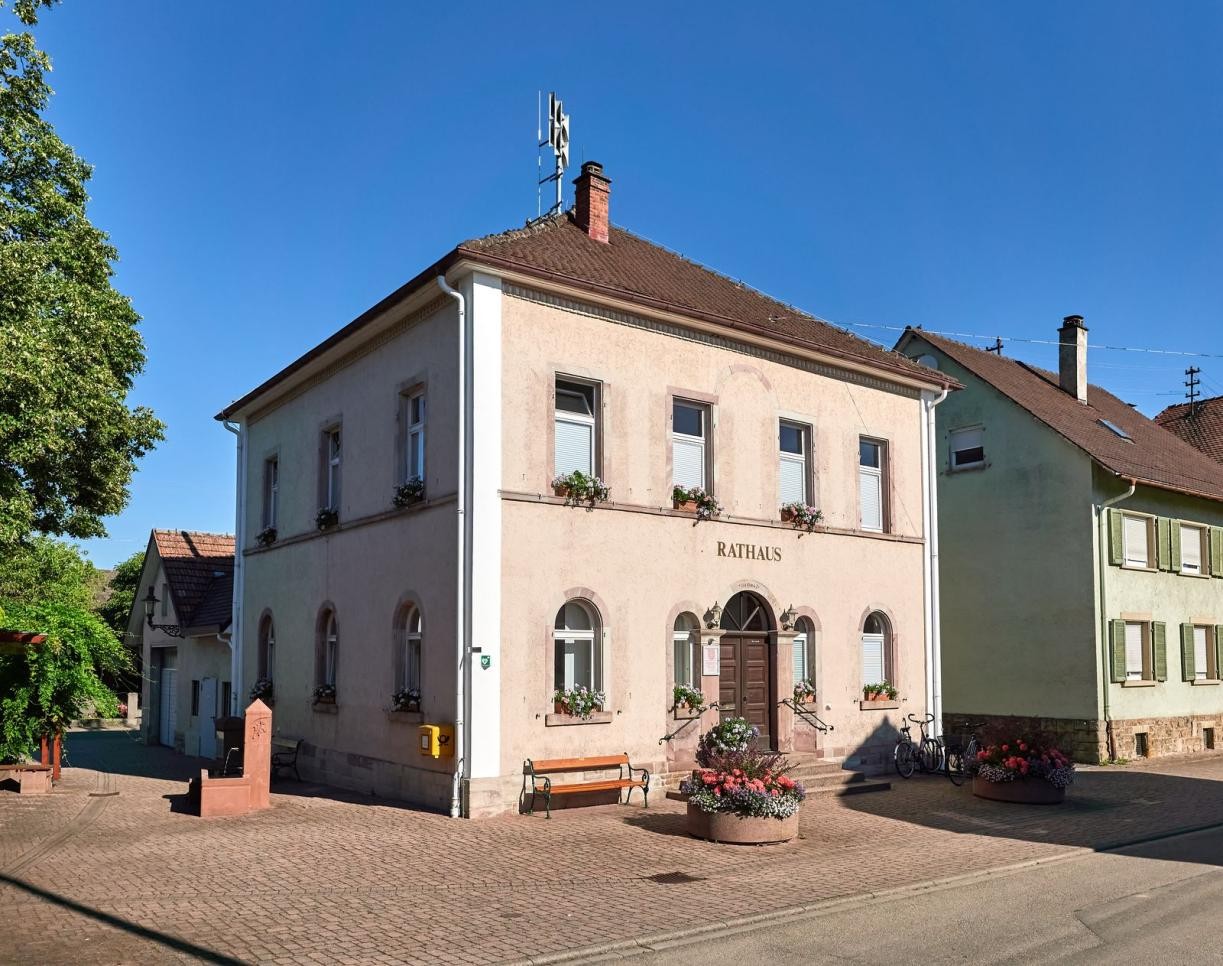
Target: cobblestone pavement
[(334, 878)]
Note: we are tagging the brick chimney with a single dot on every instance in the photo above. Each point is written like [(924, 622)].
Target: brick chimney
[(590, 200), (1072, 357)]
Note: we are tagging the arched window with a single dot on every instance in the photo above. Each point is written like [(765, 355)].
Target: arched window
[(267, 648), (804, 651), (686, 639), (409, 631), (876, 649), (577, 645), (328, 648)]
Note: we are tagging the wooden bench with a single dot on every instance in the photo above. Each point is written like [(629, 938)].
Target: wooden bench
[(32, 777), (286, 757), (539, 772)]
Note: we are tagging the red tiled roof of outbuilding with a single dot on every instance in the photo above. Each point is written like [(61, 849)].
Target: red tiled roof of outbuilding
[(199, 569), (1200, 425)]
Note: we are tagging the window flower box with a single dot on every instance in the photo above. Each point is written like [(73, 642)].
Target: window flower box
[(327, 517), (409, 493), (324, 694), (262, 690), (578, 702), (578, 487), (689, 699), (266, 537), (802, 516), (406, 699), (883, 691), (804, 692), (696, 500)]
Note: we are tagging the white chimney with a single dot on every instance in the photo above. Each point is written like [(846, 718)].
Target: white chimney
[(1072, 357)]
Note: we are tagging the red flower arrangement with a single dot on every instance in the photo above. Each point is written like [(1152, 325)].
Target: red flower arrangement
[(1024, 758)]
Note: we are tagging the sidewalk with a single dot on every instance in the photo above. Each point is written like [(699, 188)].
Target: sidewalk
[(347, 879)]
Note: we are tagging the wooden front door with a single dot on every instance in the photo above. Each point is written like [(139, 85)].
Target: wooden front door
[(744, 687)]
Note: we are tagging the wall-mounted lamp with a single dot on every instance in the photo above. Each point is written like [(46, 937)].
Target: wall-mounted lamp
[(150, 604)]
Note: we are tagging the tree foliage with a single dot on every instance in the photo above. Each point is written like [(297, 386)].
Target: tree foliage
[(69, 346), (124, 583), (43, 688), (50, 571)]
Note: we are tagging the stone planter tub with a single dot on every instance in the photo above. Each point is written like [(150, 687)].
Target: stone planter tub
[(1033, 792), (733, 829)]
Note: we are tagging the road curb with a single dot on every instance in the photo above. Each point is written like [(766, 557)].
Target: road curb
[(626, 948)]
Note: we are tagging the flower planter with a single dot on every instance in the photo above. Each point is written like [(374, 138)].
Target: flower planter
[(1031, 792), (787, 516), (561, 491), (688, 506), (732, 829), (559, 707)]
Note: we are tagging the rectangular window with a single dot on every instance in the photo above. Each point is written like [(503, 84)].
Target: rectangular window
[(1137, 537), (967, 448), (872, 460), (1201, 661), (1193, 540), (684, 671), (1136, 663), (271, 490), (414, 436), (576, 427), (800, 658), (793, 442), (331, 468), (690, 445), (195, 698)]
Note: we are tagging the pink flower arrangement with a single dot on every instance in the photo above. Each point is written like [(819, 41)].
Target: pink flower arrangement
[(1025, 758)]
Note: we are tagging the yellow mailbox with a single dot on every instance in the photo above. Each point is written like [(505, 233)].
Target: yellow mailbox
[(436, 740)]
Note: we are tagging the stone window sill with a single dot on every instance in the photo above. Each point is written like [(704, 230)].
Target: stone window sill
[(1144, 683), (1206, 682), (878, 705), (325, 707), (1190, 573), (561, 720), (405, 717)]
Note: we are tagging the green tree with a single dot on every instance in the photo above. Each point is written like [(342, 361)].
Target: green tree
[(69, 346), (124, 582), (44, 687), (45, 570)]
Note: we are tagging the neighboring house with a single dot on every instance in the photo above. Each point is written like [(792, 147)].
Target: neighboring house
[(572, 345), (1200, 424), (184, 642), (1080, 551)]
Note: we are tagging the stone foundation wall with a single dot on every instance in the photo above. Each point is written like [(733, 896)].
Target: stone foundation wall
[(1181, 735), (1083, 739)]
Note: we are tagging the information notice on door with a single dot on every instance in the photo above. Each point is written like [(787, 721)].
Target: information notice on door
[(711, 659)]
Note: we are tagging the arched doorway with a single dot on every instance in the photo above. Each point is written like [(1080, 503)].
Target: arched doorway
[(746, 687)]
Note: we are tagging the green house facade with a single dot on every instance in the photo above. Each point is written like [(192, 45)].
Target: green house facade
[(1080, 550)]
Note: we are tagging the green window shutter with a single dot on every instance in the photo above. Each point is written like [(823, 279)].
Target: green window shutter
[(1159, 645), (1216, 552), (1174, 560), (1219, 651), (1117, 629), (1163, 543), (1116, 549), (1187, 666)]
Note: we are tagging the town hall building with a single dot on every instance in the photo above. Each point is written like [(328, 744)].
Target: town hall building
[(412, 550)]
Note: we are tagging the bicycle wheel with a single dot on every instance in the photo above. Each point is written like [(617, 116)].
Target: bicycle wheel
[(905, 759), (931, 757), (955, 767)]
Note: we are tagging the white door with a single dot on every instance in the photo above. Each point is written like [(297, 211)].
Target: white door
[(208, 708), (169, 706)]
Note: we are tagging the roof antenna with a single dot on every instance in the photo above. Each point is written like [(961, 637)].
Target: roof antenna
[(996, 347), (1191, 392), (558, 139)]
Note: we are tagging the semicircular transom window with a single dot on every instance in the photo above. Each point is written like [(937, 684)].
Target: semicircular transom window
[(745, 612)]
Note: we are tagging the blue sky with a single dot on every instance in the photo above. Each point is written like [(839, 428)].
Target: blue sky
[(269, 170)]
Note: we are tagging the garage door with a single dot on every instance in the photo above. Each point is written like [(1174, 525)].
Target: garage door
[(169, 706)]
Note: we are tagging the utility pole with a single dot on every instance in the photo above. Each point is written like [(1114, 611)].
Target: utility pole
[(996, 347), (1192, 383)]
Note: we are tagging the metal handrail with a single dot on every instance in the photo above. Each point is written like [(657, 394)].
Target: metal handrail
[(687, 723), (809, 716)]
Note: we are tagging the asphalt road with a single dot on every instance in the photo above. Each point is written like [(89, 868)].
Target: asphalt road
[(1154, 903)]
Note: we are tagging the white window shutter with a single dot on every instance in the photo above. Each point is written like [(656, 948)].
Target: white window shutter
[(574, 447), (1136, 552), (872, 658), (800, 658), (1191, 549), (1133, 650), (688, 462), (870, 487), (793, 475)]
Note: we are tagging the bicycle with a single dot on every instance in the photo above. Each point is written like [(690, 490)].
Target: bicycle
[(962, 755), (925, 755)]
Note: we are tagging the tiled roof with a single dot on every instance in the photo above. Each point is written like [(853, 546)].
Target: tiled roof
[(200, 571), (634, 270), (629, 267), (1201, 428), (1151, 455)]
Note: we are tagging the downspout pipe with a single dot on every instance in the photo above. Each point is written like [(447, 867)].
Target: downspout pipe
[(461, 668), (235, 625), (934, 634), (1102, 569)]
